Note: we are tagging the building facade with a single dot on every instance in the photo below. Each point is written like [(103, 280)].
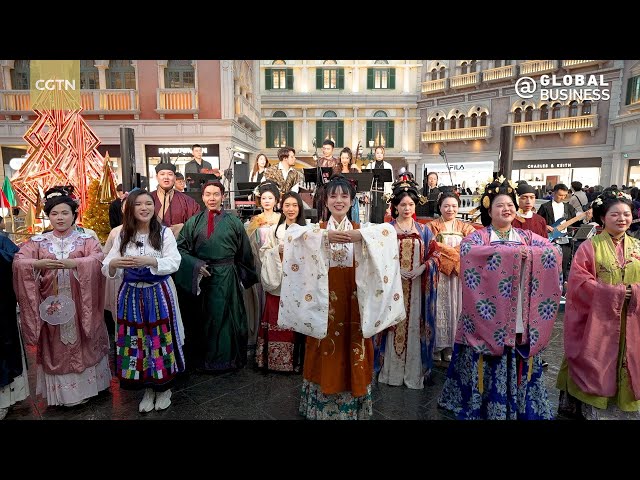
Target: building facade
[(355, 103), (169, 104), (463, 104)]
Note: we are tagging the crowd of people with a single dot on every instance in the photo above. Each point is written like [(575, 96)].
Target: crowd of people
[(189, 288)]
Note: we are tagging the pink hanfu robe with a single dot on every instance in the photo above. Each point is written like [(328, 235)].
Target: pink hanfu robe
[(72, 358)]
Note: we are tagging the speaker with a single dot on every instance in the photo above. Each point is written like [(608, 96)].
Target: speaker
[(128, 158), (505, 156)]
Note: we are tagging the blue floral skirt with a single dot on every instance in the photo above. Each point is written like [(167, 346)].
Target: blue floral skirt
[(507, 394)]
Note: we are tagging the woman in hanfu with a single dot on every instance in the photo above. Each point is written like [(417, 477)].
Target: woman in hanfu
[(278, 349), (60, 291), (259, 228), (448, 232), (403, 351), (340, 286), (216, 263), (149, 330), (600, 376), (510, 298)]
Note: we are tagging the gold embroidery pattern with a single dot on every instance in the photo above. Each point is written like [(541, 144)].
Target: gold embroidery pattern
[(385, 279), (385, 232), (295, 267), (308, 297), (396, 296)]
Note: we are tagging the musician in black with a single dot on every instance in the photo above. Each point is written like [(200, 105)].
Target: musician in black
[(378, 205), (432, 192), (558, 209)]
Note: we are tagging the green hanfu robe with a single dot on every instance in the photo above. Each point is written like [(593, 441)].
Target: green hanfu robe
[(220, 325)]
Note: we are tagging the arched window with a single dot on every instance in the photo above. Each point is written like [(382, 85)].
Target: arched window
[(452, 123), (442, 70), (329, 113), (88, 75), (434, 74), (586, 107), (279, 62), (179, 74), (380, 113), (463, 68), (381, 62), (20, 75), (279, 114), (434, 124), (555, 110), (330, 62), (441, 123), (474, 119), (472, 66), (528, 114), (461, 121), (544, 112), (517, 115), (483, 119), (121, 74), (573, 108)]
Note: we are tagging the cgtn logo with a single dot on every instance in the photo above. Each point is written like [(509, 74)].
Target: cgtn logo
[(568, 87), (51, 84)]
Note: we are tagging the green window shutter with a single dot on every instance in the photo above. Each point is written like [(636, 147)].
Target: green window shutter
[(392, 78), (268, 79), (369, 78), (289, 78), (290, 134), (341, 79), (319, 136), (631, 83), (318, 79), (369, 131), (269, 142), (389, 134), (340, 134)]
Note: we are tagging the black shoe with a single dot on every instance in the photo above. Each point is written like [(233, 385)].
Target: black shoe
[(544, 364)]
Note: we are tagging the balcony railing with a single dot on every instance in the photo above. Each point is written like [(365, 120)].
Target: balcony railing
[(247, 113), (432, 86), (557, 125), (465, 80), (15, 102), (457, 135), (569, 64), (535, 67), (177, 100), (499, 73), (115, 101)]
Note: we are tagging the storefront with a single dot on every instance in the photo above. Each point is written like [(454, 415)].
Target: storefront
[(547, 173), (466, 174), (634, 173), (179, 155)]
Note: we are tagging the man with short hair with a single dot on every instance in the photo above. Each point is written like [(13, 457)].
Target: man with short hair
[(579, 199), (432, 192), (327, 159), (284, 175), (180, 183), (173, 208), (197, 164), (526, 218)]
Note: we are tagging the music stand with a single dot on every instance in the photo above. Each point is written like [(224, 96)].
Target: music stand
[(194, 181), (311, 174), (247, 188), (362, 180), (379, 175)]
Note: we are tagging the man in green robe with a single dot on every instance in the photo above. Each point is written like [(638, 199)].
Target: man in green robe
[(216, 263)]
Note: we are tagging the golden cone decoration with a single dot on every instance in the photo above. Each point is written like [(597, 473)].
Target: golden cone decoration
[(107, 188)]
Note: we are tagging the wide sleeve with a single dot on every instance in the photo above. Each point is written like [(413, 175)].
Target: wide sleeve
[(90, 286), (271, 271), (187, 276), (27, 291), (304, 294), (244, 258), (378, 280), (114, 252), (170, 260)]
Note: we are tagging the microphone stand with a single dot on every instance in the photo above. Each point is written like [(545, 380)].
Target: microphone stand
[(443, 154), (227, 178)]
